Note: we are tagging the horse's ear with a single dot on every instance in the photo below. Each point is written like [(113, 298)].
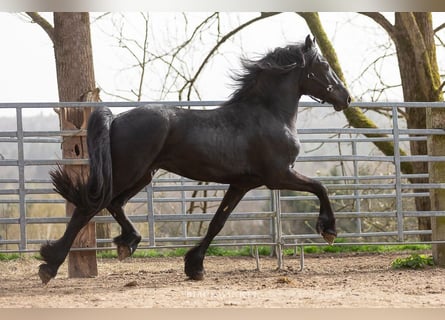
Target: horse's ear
[(309, 43)]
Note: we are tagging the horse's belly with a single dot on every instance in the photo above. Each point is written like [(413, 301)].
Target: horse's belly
[(201, 170)]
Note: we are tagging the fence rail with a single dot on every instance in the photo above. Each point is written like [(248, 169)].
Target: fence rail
[(373, 198)]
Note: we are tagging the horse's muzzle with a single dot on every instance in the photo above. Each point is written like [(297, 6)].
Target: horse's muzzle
[(342, 104)]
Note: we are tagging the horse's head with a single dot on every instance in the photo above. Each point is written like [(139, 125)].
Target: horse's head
[(321, 82)]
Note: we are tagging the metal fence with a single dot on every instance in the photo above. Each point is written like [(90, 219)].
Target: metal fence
[(372, 196)]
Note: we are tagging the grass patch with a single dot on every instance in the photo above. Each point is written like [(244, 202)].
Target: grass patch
[(267, 250), (249, 250), (9, 256), (364, 248), (180, 252), (414, 261), (149, 253)]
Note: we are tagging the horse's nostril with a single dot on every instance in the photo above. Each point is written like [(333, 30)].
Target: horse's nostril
[(349, 100)]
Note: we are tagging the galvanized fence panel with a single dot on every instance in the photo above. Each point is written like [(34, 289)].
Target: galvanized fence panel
[(373, 198)]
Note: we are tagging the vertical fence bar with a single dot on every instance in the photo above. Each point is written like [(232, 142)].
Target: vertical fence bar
[(183, 209), (356, 192), (21, 171), (278, 228), (272, 228), (398, 172), (150, 215)]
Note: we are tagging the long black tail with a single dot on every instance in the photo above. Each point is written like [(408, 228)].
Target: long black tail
[(96, 193)]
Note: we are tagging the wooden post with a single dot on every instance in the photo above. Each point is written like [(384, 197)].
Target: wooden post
[(76, 82), (81, 264), (436, 147)]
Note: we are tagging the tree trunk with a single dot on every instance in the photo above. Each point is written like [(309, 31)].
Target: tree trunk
[(75, 78), (416, 53), (436, 146)]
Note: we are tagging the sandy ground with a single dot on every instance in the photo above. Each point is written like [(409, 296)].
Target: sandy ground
[(340, 280)]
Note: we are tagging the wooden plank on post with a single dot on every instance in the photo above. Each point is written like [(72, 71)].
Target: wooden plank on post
[(436, 147)]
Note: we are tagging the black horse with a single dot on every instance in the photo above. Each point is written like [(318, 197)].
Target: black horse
[(250, 141)]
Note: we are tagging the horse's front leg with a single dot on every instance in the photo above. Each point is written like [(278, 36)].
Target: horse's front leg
[(194, 258), (292, 180)]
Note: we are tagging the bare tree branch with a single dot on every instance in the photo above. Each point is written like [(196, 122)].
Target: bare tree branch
[(382, 21), (442, 26), (100, 17), (178, 49), (138, 49), (442, 43), (223, 39), (42, 22), (441, 86), (144, 56)]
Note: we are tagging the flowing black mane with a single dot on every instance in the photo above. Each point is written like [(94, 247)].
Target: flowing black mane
[(279, 61)]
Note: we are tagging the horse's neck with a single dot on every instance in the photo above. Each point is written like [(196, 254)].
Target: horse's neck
[(287, 108), (287, 96)]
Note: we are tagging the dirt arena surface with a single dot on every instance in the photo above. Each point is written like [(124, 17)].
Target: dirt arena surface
[(335, 280)]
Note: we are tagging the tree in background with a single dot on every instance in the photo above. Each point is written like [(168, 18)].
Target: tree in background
[(71, 37), (413, 36)]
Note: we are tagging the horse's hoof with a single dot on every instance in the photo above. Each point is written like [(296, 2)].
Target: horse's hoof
[(329, 237), (123, 252), (193, 266), (198, 276), (194, 273), (126, 245), (46, 273)]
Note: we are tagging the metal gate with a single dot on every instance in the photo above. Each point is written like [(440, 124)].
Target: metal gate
[(372, 195)]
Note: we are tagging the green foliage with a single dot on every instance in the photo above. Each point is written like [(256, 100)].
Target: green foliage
[(264, 251), (361, 248), (180, 252), (414, 261), (267, 250), (218, 251), (150, 253), (9, 256)]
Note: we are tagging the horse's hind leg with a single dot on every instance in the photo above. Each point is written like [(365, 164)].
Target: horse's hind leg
[(55, 252), (195, 257), (129, 238)]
